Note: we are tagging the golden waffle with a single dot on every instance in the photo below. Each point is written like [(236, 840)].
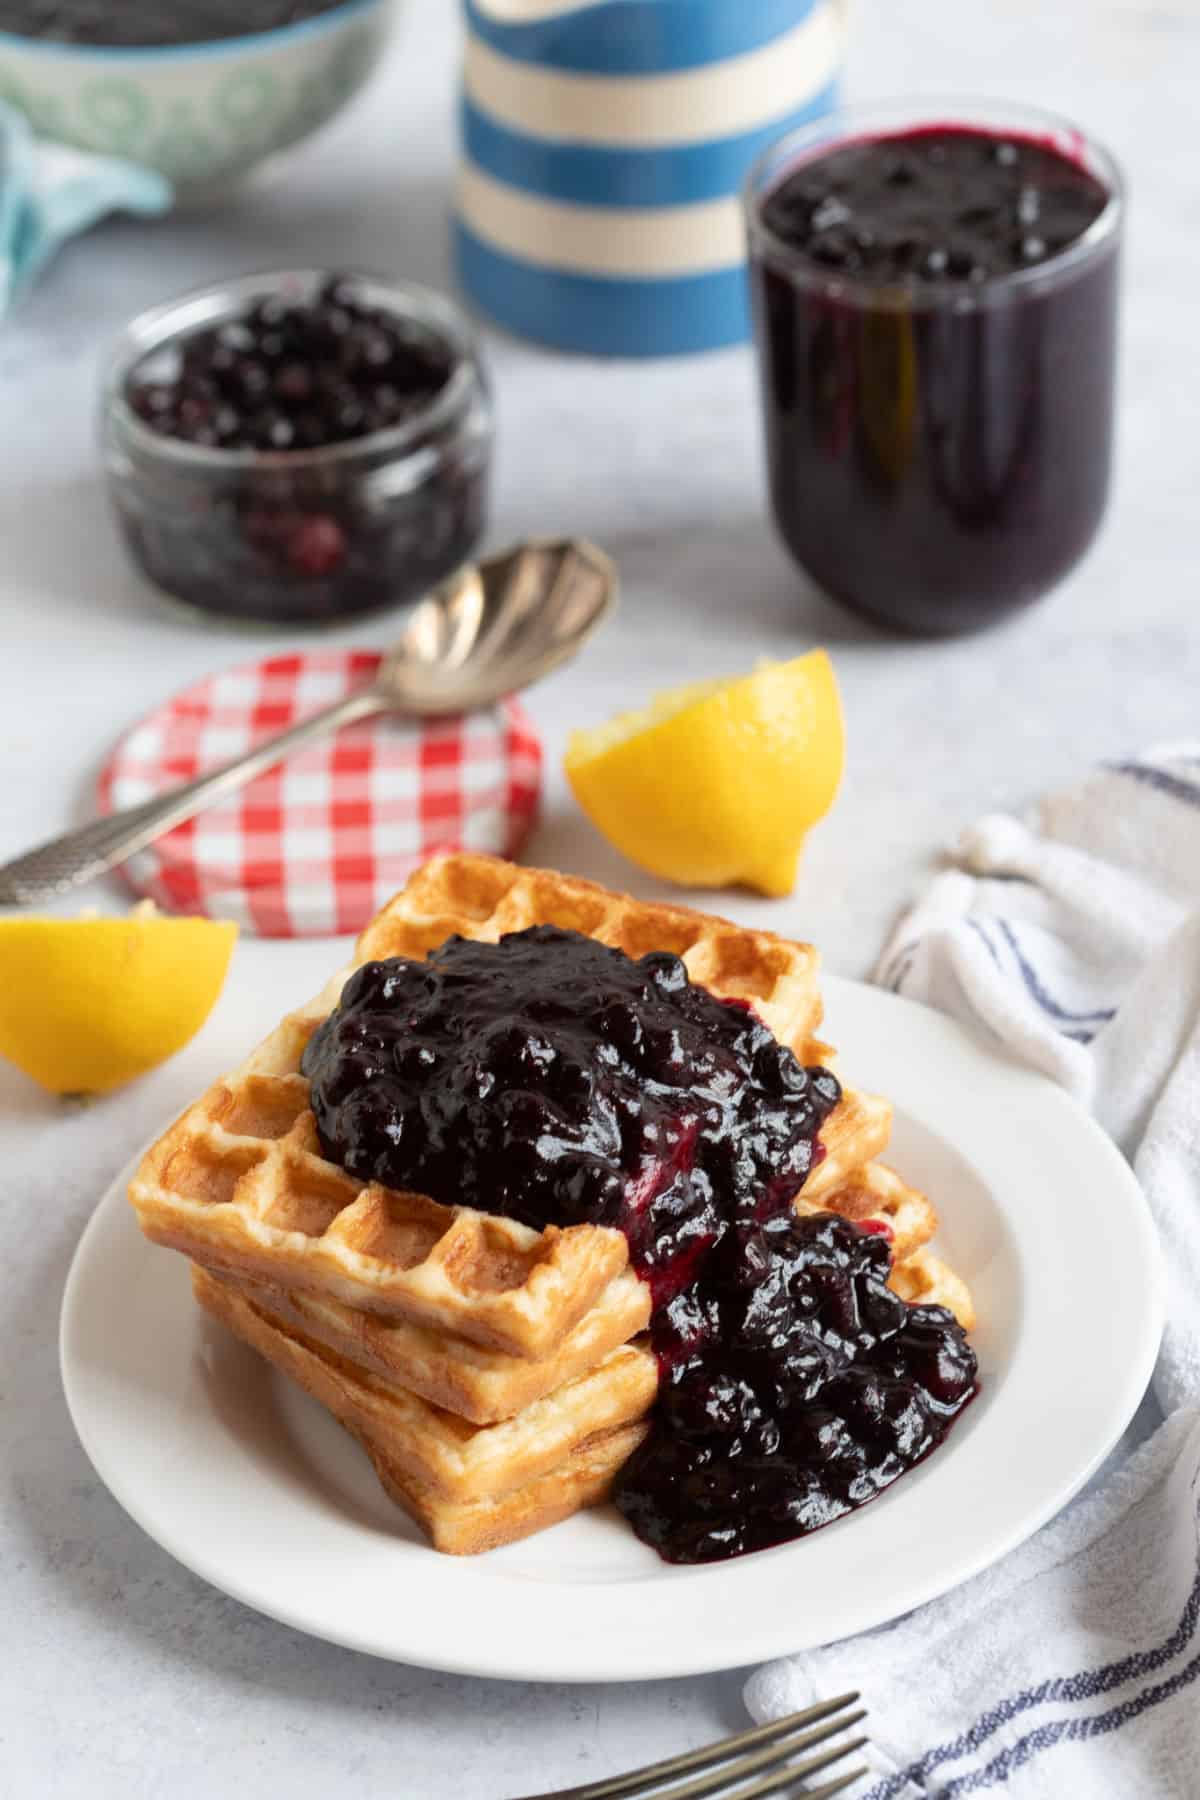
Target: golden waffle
[(495, 1375), (408, 1442), (854, 1134), (481, 897), (439, 1453), (925, 1280), (585, 1478), (877, 1196), (239, 1182), (228, 1192), (486, 1385), (450, 1372)]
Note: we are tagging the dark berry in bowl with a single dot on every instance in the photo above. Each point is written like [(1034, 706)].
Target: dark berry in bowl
[(299, 447), (150, 24), (556, 1081)]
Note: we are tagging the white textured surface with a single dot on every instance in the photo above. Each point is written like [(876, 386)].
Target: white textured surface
[(124, 1677)]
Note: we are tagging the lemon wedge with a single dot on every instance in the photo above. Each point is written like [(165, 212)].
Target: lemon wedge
[(87, 1004), (720, 782)]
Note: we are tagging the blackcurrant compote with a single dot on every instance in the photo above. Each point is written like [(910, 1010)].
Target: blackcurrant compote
[(936, 306), (147, 24), (557, 1081), (299, 447)]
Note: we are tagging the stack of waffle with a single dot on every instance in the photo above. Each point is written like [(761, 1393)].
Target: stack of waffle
[(497, 1377)]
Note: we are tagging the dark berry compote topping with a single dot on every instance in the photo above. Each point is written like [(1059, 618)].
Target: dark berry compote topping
[(556, 1081), (147, 23), (942, 204), (938, 369), (341, 472)]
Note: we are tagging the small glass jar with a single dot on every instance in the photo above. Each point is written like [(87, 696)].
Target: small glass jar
[(938, 451), (300, 535)]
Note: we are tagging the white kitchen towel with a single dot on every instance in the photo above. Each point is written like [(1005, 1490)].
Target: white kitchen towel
[(1072, 1668)]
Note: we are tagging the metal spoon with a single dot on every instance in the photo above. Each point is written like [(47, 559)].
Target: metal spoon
[(490, 630)]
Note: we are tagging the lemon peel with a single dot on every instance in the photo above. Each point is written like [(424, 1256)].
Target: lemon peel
[(718, 782), (87, 1004)]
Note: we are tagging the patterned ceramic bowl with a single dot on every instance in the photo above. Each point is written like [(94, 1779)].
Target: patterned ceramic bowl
[(202, 114)]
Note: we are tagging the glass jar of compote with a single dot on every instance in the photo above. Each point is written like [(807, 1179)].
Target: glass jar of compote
[(935, 292)]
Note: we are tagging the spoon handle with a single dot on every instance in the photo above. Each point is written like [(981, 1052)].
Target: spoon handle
[(80, 856)]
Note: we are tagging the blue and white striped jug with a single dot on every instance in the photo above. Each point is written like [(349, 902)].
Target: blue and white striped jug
[(604, 147)]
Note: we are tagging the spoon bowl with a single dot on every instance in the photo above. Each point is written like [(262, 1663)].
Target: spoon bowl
[(498, 626), (492, 629)]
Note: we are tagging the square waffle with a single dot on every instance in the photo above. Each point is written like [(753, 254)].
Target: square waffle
[(473, 1489), (449, 1372), (585, 1478), (432, 1452), (493, 1374), (239, 1182), (925, 1280), (484, 1386)]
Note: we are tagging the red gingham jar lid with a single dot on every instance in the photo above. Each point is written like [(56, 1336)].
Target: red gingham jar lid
[(317, 845)]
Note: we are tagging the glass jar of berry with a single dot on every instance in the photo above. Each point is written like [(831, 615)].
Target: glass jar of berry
[(935, 294), (298, 446)]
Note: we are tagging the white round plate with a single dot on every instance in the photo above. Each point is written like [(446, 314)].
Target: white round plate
[(254, 1487)]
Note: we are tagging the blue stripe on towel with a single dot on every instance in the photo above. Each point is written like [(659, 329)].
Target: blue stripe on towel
[(997, 1772), (590, 175), (1062, 1015), (653, 37), (1086, 1684), (1159, 779), (977, 927), (899, 965), (604, 315)]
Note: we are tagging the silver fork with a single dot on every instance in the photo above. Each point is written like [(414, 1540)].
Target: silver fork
[(764, 1751)]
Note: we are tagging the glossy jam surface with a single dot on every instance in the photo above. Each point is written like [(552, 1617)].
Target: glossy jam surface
[(146, 23), (795, 1387), (559, 1082), (938, 447), (277, 530), (938, 205)]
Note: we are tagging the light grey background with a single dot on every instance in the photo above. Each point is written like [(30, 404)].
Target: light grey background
[(123, 1675)]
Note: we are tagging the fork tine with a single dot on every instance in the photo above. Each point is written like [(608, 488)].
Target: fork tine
[(836, 1787), (643, 1781), (782, 1777), (763, 1762)]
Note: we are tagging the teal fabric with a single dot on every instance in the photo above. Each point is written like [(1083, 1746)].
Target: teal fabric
[(49, 192)]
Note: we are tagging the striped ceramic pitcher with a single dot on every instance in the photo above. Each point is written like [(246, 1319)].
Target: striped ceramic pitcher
[(604, 146)]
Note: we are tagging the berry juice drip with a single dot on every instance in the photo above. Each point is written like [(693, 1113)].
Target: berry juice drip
[(557, 1081)]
